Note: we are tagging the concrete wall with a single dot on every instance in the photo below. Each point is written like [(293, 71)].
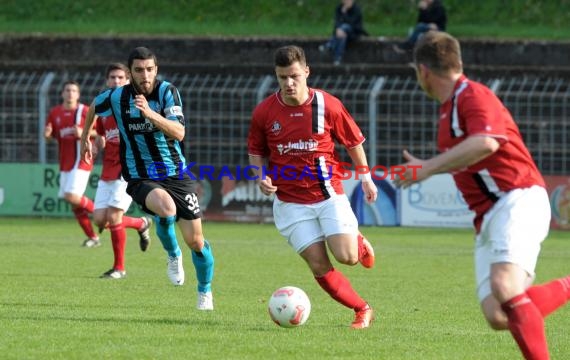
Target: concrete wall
[(254, 55)]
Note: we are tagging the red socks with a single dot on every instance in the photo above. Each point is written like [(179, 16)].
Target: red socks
[(527, 327), (118, 239), (526, 313), (87, 204), (550, 296), (84, 222), (133, 222), (339, 288)]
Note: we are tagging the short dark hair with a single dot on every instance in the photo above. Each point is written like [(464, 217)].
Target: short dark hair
[(439, 51), (117, 66), (287, 55), (71, 82), (141, 53)]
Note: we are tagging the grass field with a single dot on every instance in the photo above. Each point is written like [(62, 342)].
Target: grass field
[(54, 306)]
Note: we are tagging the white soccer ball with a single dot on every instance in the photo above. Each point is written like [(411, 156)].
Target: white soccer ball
[(289, 306)]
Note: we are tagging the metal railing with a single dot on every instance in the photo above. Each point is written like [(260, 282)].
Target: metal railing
[(392, 111)]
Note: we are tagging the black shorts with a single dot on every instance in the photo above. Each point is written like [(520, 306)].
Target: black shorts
[(182, 191)]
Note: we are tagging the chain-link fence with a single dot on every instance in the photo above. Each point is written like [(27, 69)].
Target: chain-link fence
[(392, 111)]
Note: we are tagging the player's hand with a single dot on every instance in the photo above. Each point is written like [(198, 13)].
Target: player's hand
[(142, 105), (370, 191), (266, 186), (48, 130), (78, 130), (87, 151), (416, 171)]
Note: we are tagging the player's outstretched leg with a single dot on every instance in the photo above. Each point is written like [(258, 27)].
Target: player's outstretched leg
[(526, 325), (118, 240), (167, 235), (204, 265), (85, 223), (142, 226), (550, 296), (81, 212), (340, 289), (144, 233)]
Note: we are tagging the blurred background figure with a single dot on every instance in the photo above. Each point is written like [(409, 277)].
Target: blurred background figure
[(431, 16), (65, 124), (111, 198), (347, 27)]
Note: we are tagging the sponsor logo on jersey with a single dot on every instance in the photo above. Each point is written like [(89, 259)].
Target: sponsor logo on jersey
[(67, 132), (299, 146), (145, 126), (112, 135)]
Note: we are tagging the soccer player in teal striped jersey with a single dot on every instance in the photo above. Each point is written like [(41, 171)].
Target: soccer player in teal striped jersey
[(151, 126)]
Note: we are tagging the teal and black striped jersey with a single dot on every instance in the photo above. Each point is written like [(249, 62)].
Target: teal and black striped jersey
[(145, 151)]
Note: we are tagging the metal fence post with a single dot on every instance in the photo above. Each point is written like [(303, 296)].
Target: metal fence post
[(372, 115), (263, 88), (42, 114)]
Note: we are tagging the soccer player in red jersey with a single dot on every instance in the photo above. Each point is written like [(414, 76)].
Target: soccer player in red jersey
[(482, 148), (291, 148), (111, 199), (65, 124)]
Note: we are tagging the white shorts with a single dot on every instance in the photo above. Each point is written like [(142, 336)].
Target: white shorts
[(112, 194), (73, 182), (305, 224), (512, 232)]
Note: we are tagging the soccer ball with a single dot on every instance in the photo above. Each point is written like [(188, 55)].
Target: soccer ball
[(289, 306)]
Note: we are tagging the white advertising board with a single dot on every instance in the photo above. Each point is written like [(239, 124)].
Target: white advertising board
[(435, 202)]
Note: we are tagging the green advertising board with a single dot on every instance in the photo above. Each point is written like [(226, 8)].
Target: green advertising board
[(31, 190)]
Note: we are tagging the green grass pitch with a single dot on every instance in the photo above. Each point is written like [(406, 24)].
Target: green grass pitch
[(54, 306)]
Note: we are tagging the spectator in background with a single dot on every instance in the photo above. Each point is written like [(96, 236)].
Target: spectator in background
[(431, 16), (111, 199), (65, 124), (347, 27)]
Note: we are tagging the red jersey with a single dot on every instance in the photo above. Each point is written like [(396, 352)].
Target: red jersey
[(63, 123), (475, 110), (107, 126), (299, 142)]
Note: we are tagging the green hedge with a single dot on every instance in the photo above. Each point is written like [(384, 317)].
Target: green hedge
[(546, 18)]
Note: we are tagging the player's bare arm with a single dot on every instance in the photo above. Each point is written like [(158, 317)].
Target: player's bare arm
[(48, 130), (86, 149), (265, 184), (172, 129), (358, 157), (470, 151)]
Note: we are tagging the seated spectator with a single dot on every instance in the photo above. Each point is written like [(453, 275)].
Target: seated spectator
[(347, 27), (431, 16)]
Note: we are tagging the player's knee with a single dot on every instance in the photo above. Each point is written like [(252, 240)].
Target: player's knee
[(71, 198), (100, 220), (497, 321), (100, 223), (114, 218), (320, 269), (346, 258), (503, 290)]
